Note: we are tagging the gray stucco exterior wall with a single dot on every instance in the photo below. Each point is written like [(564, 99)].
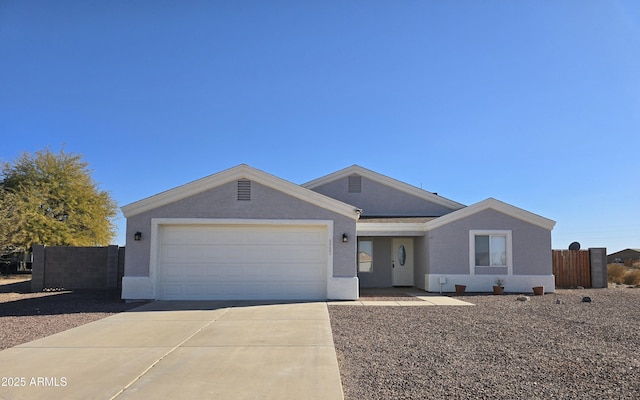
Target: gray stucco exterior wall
[(221, 202), (421, 260), (376, 199), (449, 245), (381, 274)]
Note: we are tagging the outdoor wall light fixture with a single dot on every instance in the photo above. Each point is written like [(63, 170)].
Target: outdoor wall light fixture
[(345, 238), (137, 235)]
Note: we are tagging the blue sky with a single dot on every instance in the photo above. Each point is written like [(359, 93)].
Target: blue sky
[(535, 103)]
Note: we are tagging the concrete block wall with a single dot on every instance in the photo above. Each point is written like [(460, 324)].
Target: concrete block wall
[(74, 268), (37, 268), (120, 266)]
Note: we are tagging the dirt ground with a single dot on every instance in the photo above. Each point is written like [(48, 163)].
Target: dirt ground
[(27, 316), (4, 279)]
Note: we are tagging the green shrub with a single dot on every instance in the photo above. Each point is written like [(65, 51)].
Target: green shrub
[(616, 273), (632, 277)]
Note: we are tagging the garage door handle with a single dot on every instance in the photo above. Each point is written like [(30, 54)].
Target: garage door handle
[(393, 264)]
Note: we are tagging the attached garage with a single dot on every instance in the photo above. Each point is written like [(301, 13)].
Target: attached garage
[(242, 261), (240, 234)]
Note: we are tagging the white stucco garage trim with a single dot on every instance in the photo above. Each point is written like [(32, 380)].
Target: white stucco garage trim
[(148, 287), (137, 288)]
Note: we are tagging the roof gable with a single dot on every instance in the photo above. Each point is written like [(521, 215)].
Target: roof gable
[(241, 171), (384, 180), (496, 205)]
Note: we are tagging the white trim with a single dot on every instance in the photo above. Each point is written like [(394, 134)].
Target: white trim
[(385, 180), (391, 229), (137, 288), (154, 257), (484, 283), (156, 223), (472, 250), (496, 205), (242, 171), (343, 288)]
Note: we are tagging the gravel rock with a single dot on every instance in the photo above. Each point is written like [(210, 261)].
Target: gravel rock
[(501, 348), (26, 316)]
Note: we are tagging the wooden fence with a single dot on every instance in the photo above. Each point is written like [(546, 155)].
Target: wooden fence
[(572, 268)]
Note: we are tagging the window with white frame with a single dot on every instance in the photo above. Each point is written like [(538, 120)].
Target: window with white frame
[(490, 249), (365, 256)]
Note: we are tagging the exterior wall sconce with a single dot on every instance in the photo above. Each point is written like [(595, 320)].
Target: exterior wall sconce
[(137, 236), (345, 238)]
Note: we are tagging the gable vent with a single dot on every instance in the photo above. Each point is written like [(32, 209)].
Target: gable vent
[(355, 184), (244, 190)]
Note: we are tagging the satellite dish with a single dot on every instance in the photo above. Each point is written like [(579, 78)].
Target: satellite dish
[(574, 246)]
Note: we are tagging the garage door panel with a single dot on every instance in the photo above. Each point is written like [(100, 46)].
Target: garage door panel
[(310, 253), (243, 262), (171, 291), (219, 253), (193, 271), (208, 236), (179, 236), (170, 271), (181, 253), (257, 273), (247, 272), (242, 290), (306, 274), (192, 290)]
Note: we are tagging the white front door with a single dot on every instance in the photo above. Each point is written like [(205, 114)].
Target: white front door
[(402, 261)]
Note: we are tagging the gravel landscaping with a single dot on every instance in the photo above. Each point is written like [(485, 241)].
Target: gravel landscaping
[(26, 316), (553, 346)]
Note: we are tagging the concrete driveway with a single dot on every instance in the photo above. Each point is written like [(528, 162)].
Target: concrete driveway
[(183, 350)]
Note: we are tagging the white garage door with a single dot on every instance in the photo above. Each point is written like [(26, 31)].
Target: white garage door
[(221, 262)]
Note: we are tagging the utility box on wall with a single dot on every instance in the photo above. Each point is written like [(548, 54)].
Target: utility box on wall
[(598, 258)]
